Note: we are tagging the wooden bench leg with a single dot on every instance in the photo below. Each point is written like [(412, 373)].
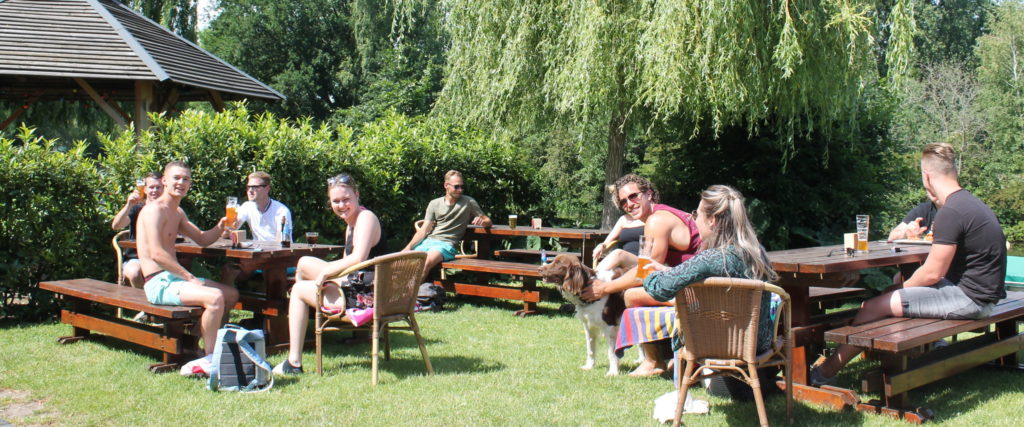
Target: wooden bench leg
[(895, 405), (77, 333), (529, 307)]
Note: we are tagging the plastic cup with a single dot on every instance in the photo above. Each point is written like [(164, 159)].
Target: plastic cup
[(536, 223)]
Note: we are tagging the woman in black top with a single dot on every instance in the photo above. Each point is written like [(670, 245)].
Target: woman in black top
[(364, 239)]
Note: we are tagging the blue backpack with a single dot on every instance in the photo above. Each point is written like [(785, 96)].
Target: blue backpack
[(239, 361)]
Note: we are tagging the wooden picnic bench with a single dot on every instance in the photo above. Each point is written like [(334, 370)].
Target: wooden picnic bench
[(483, 269), (907, 361), (529, 254), (825, 298), (174, 337)]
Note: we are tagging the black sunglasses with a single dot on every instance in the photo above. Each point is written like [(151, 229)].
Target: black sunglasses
[(340, 179), (459, 187), (253, 187), (635, 197)]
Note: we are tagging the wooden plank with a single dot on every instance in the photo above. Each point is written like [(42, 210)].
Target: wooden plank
[(117, 296), (529, 253), (131, 333), (494, 267), (913, 378), (866, 338), (493, 291), (102, 103), (906, 340), (564, 233), (839, 335), (827, 294)]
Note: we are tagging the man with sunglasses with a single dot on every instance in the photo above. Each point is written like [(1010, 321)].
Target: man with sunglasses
[(445, 222), (263, 215)]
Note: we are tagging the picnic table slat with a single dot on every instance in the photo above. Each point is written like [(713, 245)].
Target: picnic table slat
[(117, 296), (866, 338)]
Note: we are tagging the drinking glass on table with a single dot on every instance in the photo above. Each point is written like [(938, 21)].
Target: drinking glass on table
[(231, 211), (311, 237), (512, 221), (863, 227), (644, 257)]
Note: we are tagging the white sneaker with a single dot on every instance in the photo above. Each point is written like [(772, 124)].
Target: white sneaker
[(200, 366)]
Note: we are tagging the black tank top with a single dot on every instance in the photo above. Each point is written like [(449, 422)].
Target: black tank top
[(629, 239), (381, 248)]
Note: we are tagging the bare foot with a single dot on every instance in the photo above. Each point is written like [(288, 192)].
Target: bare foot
[(648, 369)]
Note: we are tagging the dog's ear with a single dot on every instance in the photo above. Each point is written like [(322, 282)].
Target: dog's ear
[(554, 272), (576, 277)]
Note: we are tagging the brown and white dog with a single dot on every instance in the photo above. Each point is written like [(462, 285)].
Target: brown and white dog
[(601, 316)]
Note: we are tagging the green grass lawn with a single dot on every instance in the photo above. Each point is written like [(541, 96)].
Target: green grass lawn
[(492, 368)]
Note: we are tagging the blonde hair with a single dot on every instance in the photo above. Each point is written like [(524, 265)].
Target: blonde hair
[(262, 176), (452, 173), (732, 228), (939, 158)]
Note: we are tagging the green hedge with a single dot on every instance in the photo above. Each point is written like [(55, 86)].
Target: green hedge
[(53, 224)]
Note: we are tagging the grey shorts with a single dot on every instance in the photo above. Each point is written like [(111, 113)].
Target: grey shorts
[(944, 300)]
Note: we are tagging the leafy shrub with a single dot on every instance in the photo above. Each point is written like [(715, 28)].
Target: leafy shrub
[(52, 224)]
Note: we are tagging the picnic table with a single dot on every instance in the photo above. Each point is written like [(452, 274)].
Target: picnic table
[(799, 270), (269, 307), (484, 266)]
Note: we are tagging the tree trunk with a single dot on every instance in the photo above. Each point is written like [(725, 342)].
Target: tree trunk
[(613, 166)]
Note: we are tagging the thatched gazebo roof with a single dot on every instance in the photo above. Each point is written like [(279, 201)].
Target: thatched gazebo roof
[(101, 50)]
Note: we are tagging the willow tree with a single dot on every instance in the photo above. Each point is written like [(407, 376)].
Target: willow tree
[(794, 66)]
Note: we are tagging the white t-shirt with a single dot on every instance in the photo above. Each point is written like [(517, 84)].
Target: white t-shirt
[(264, 225)]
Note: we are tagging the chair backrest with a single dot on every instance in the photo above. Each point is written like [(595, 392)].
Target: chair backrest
[(396, 282), (123, 234), (718, 318)]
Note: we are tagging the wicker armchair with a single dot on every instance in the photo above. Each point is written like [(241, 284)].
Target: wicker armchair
[(121, 235), (718, 318), (396, 282)]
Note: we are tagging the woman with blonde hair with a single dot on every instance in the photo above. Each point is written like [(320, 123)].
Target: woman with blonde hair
[(364, 239), (729, 248)]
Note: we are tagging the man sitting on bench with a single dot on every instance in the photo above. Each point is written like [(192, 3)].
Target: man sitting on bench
[(167, 282), (445, 223), (962, 278)]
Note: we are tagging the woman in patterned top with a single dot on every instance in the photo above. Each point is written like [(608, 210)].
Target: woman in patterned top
[(729, 248)]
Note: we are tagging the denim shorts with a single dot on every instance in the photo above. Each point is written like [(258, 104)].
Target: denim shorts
[(944, 300), (164, 289), (446, 249)]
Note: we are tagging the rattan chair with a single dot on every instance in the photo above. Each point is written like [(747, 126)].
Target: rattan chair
[(121, 235), (396, 282), (718, 319)]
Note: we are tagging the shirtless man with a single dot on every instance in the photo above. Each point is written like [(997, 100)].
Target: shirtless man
[(167, 282)]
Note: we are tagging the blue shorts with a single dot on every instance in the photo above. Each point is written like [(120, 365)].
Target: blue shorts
[(446, 249), (944, 300), (164, 288)]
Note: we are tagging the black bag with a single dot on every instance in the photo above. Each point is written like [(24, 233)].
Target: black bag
[(430, 297)]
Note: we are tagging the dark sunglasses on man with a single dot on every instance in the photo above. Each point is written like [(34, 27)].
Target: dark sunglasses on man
[(633, 198)]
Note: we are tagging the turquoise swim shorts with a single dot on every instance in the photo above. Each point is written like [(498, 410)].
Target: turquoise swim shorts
[(164, 288), (446, 249)]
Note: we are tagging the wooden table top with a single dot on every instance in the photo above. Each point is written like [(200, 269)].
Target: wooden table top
[(833, 259), (259, 249), (526, 230)]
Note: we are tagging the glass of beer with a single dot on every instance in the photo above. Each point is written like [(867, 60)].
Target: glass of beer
[(644, 258), (863, 226), (512, 221), (311, 237), (140, 186), (230, 211)]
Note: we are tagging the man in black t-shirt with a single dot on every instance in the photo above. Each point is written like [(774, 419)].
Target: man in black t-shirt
[(962, 278), (127, 216), (916, 223)]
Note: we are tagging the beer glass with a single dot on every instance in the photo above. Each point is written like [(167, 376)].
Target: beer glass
[(311, 237), (644, 257), (140, 186), (863, 226), (230, 211), (512, 221)]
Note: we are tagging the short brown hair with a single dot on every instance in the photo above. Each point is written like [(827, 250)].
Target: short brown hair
[(939, 158), (452, 173), (642, 183), (177, 164), (152, 174), (262, 176)]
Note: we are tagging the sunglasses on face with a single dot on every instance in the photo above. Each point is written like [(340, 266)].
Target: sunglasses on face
[(341, 179), (255, 187), (634, 198), (459, 187), (694, 214)]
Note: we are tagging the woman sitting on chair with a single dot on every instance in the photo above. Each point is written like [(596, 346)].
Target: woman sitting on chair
[(364, 239), (626, 231), (729, 248)]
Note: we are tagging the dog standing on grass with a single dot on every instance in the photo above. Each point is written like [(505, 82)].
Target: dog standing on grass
[(598, 317)]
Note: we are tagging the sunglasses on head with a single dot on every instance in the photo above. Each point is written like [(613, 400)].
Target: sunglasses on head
[(340, 179), (635, 197)]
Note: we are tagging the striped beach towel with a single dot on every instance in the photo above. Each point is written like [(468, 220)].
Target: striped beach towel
[(645, 324)]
